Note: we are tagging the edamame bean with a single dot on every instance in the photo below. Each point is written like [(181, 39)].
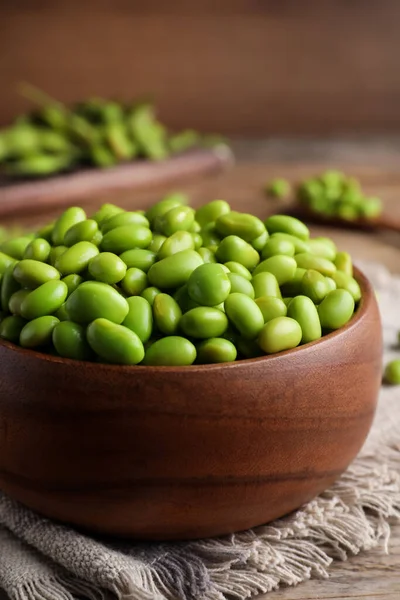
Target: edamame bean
[(210, 212), (33, 273), (134, 282), (344, 263), (271, 307), (69, 218), (55, 253), (107, 267), (77, 258), (391, 375), (210, 236), (180, 218), (266, 284), (44, 300), (241, 285), (15, 247), (346, 282), (283, 267), (93, 299), (195, 228), (183, 299), (330, 283), (38, 249), (235, 267), (244, 314), (122, 219), (207, 255), (247, 227), (38, 332), (233, 248), (315, 286), (15, 302), (149, 294), (299, 245), (216, 350), (303, 310), (259, 242), (317, 263), (156, 242), (45, 233), (170, 351), (11, 327), (84, 231), (140, 258), (8, 286), (204, 322), (105, 212), (336, 309), (287, 300), (114, 343), (197, 240), (282, 333), (69, 339), (167, 314), (125, 238), (209, 285), (286, 224), (72, 282), (322, 249), (294, 287), (175, 270), (248, 348), (5, 261), (61, 313), (276, 246), (139, 318), (177, 242), (170, 201)]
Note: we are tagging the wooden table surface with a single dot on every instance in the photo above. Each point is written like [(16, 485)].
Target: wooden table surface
[(372, 575)]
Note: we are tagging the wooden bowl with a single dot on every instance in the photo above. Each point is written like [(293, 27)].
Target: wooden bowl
[(169, 453)]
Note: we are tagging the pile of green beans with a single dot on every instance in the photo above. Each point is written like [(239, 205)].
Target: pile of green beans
[(96, 132), (172, 285), (333, 194)]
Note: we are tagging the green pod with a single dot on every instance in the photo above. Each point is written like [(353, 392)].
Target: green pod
[(84, 231), (11, 327), (320, 248), (346, 282), (38, 249), (244, 314), (15, 247), (283, 267), (125, 238), (69, 218), (38, 332), (233, 248), (45, 233), (235, 267), (317, 263), (162, 207), (204, 322), (55, 254), (134, 282), (259, 242), (247, 227), (72, 282), (266, 284), (210, 236), (107, 267), (344, 263), (240, 285), (5, 261), (276, 246), (114, 343), (336, 309), (209, 285), (294, 286), (303, 310), (123, 219), (166, 313), (210, 212), (33, 273), (44, 300), (105, 212), (286, 224), (177, 242), (175, 270), (271, 307), (76, 259), (93, 299), (8, 286), (149, 294), (314, 286), (330, 283), (171, 351), (299, 245), (69, 340), (139, 318), (282, 333), (180, 218), (156, 242), (15, 302), (207, 255), (216, 350)]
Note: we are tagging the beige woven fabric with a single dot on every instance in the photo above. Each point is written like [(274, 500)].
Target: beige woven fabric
[(40, 560)]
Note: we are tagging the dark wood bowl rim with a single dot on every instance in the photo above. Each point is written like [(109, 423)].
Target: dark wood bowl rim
[(366, 299)]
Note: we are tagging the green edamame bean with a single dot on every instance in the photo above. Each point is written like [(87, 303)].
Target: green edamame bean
[(204, 322), (271, 307), (93, 299), (278, 188), (55, 253), (346, 282), (209, 235), (177, 242), (197, 240), (170, 351), (266, 284), (195, 228), (107, 267), (149, 294), (235, 267), (170, 201), (38, 249), (283, 267), (209, 285), (61, 313), (84, 231), (44, 300), (216, 350), (344, 263), (11, 327), (287, 300), (286, 224), (259, 242), (322, 249), (244, 314), (247, 227), (183, 299), (248, 348), (210, 212), (175, 270), (105, 212), (38, 332), (45, 233), (156, 242), (331, 284), (33, 273), (180, 218), (336, 309), (317, 263), (240, 285), (207, 255), (15, 302), (123, 219), (233, 248), (15, 247), (139, 318), (76, 259), (299, 245), (303, 310), (134, 282), (315, 286), (391, 375), (5, 261), (125, 238), (8, 286), (69, 339), (167, 314), (72, 282), (69, 218), (294, 287), (140, 258), (276, 246), (281, 333), (114, 343)]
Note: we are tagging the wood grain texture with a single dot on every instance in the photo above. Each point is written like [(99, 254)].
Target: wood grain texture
[(255, 67)]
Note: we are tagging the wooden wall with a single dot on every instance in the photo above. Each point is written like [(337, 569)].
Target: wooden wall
[(236, 66)]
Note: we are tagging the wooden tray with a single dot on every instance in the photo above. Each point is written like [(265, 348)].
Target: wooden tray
[(64, 190)]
